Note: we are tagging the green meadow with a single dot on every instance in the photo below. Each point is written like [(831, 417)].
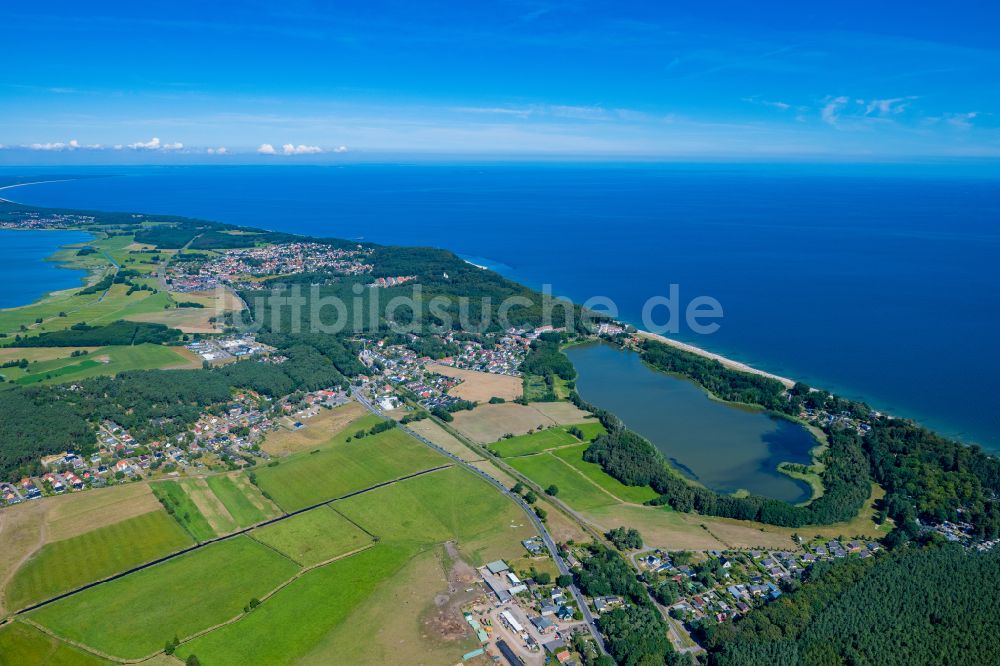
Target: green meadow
[(574, 489), (409, 517), (246, 509), (133, 617), (536, 442), (341, 467), (314, 536), (24, 645), (101, 361), (287, 625), (65, 565), (573, 455), (180, 506)]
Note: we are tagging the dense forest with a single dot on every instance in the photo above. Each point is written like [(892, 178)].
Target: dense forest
[(931, 478), (932, 605)]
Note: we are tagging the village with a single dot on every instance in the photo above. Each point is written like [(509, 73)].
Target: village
[(719, 586), (240, 267), (225, 438)]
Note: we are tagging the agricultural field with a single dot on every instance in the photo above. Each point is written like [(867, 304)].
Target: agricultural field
[(573, 456), (536, 442), (60, 366), (320, 613), (341, 467), (184, 510), (435, 433), (297, 617), (450, 504), (22, 644), (431, 629), (315, 431), (563, 413), (480, 386), (574, 489), (133, 617), (313, 537), (488, 423), (241, 499), (195, 320), (27, 527), (64, 565)]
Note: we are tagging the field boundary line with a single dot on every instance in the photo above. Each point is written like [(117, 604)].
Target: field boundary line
[(80, 646), (226, 537), (267, 596)]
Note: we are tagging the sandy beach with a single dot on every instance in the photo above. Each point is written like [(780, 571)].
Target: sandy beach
[(729, 363)]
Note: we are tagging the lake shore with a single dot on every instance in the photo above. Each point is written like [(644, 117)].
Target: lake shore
[(63, 258)]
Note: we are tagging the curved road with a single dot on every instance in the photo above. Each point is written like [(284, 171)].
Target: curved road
[(546, 537)]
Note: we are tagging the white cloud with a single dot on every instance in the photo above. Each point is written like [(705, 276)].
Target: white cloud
[(222, 150), (340, 149), (289, 149), (153, 144), (266, 149), (72, 144), (830, 113), (886, 107), (962, 120)]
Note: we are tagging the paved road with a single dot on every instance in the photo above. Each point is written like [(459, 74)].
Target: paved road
[(546, 537)]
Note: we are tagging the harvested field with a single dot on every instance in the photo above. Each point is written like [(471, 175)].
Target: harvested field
[(195, 320), (315, 431), (480, 386), (417, 612), (444, 439), (660, 528), (71, 515), (488, 423), (22, 532), (210, 506), (563, 413)]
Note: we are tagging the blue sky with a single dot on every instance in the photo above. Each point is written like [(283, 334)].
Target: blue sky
[(120, 82)]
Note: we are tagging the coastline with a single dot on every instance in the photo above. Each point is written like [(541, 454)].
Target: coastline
[(34, 182), (727, 362)]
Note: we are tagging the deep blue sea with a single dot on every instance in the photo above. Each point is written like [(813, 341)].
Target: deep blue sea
[(877, 283), (25, 275)]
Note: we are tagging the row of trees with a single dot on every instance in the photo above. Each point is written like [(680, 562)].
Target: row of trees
[(119, 333)]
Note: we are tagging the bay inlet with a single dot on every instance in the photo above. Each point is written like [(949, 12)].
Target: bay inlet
[(26, 274), (722, 446)]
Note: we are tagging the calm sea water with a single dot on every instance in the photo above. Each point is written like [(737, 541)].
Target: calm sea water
[(25, 275), (726, 448), (881, 287)]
